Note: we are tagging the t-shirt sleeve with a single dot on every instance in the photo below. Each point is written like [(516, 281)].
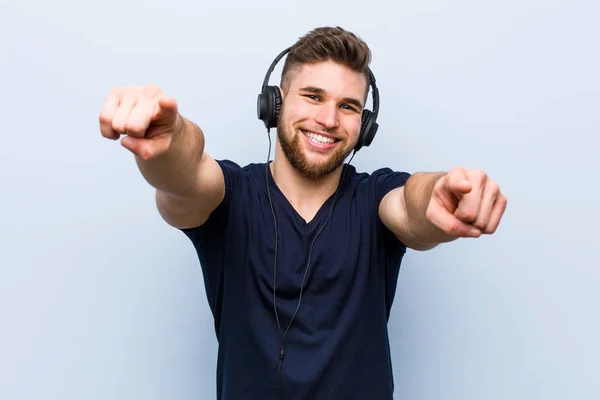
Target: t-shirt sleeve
[(217, 221), (385, 180)]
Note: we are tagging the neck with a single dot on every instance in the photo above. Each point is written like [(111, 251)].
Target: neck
[(305, 194)]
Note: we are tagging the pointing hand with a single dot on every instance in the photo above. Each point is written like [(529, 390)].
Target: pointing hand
[(466, 203), (145, 115)]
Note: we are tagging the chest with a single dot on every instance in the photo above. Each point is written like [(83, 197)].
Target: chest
[(338, 248)]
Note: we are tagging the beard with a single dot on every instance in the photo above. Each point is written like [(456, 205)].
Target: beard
[(292, 148)]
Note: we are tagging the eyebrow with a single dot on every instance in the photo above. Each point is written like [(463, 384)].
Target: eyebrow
[(318, 90)]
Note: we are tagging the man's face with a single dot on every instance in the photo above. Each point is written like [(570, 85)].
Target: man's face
[(320, 118)]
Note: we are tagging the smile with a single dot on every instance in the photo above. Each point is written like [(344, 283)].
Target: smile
[(319, 139)]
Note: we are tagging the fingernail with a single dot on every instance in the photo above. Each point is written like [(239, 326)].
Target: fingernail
[(475, 232)]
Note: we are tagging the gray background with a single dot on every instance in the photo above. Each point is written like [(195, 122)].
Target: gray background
[(99, 299)]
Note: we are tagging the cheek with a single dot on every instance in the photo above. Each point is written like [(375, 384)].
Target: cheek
[(353, 127), (287, 115), (302, 112), (286, 118)]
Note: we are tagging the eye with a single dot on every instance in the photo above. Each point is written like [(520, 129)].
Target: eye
[(312, 97), (349, 107)]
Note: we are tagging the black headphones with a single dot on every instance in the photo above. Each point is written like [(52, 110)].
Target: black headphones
[(269, 105)]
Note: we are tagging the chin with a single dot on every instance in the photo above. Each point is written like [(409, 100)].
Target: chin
[(313, 160), (315, 165)]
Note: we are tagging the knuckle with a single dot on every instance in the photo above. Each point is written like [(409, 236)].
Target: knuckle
[(128, 94), (112, 93), (118, 125), (448, 227), (494, 187), (480, 224), (149, 150), (104, 118), (150, 89), (146, 153), (134, 127), (455, 171), (480, 175), (467, 215), (490, 229), (453, 229), (503, 200)]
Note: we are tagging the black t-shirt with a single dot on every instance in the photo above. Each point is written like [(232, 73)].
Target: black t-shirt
[(337, 346)]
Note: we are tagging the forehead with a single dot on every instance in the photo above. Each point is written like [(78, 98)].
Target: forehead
[(335, 79)]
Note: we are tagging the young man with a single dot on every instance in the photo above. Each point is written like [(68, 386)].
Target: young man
[(300, 256)]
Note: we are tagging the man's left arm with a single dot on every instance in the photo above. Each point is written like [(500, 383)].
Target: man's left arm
[(439, 207)]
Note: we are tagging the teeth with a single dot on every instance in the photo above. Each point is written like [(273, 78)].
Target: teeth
[(318, 138)]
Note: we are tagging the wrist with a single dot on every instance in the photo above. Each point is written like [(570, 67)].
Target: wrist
[(418, 193)]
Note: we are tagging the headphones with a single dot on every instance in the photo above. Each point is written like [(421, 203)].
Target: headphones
[(269, 106)]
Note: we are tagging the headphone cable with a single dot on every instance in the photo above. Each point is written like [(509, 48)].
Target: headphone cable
[(282, 348)]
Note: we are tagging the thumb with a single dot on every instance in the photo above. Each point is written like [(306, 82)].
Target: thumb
[(130, 143), (147, 148)]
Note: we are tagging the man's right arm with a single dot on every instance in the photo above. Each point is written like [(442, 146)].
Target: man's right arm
[(169, 151)]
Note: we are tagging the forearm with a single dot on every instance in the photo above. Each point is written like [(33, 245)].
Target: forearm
[(417, 195), (175, 171)]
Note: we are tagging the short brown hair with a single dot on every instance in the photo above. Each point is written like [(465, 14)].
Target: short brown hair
[(327, 44)]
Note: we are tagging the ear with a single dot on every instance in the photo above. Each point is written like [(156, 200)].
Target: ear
[(281, 93)]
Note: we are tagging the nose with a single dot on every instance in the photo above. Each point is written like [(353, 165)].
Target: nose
[(328, 116)]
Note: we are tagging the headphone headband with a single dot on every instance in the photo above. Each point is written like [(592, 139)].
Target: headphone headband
[(272, 67), (375, 91)]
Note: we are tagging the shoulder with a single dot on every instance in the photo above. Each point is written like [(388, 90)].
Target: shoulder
[(379, 182), (237, 179), (371, 188), (235, 168), (234, 173)]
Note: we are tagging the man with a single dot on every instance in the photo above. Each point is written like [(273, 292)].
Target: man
[(300, 256)]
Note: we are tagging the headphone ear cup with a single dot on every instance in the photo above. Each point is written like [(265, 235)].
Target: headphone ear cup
[(269, 106), (276, 106), (368, 129), (262, 108), (371, 131)]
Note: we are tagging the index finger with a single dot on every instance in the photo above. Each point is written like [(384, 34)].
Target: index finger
[(165, 110), (470, 204), (458, 183)]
